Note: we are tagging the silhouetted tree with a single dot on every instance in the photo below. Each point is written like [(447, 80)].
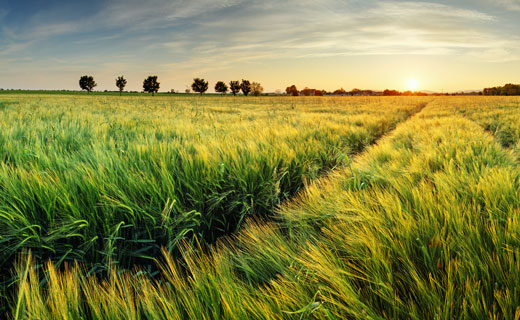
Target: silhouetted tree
[(340, 92), (121, 83), (234, 86), (308, 92), (355, 92), (388, 92), (256, 89), (507, 90), (221, 87), (245, 86), (199, 85), (292, 90), (151, 85), (87, 83)]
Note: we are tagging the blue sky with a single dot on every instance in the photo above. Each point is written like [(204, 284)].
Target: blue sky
[(444, 45)]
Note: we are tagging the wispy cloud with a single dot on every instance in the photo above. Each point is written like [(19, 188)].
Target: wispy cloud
[(154, 14), (388, 28), (508, 4), (194, 37)]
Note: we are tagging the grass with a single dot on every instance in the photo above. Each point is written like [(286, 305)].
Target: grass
[(108, 93), (11, 92), (423, 225), (501, 120), (110, 181)]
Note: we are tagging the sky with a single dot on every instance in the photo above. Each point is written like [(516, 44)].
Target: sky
[(324, 44)]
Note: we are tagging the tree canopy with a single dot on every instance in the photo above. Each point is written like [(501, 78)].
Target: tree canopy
[(151, 85), (234, 86), (87, 83), (256, 89), (199, 85), (292, 90), (120, 83), (221, 87), (507, 90), (245, 86)]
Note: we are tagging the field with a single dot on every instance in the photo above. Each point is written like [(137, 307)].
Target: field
[(259, 208)]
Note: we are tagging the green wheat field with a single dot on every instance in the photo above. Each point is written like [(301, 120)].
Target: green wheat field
[(187, 207)]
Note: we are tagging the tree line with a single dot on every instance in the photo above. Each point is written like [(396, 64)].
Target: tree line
[(507, 90), (199, 85), (293, 91)]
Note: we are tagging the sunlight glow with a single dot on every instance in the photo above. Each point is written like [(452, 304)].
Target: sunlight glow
[(413, 84)]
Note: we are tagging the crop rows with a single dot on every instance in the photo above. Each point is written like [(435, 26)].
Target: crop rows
[(423, 225), (498, 115), (110, 181)]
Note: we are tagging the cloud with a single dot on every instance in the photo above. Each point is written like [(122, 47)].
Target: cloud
[(137, 14), (315, 30), (13, 48), (193, 37), (508, 4)]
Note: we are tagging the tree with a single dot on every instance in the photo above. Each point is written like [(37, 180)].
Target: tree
[(355, 92), (292, 90), (245, 86), (234, 86), (388, 92), (256, 89), (221, 87), (151, 85), (87, 83), (121, 83), (199, 85), (340, 92), (308, 92)]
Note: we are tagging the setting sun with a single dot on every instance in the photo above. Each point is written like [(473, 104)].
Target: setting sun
[(413, 84)]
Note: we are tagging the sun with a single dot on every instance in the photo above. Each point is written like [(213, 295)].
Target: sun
[(413, 84)]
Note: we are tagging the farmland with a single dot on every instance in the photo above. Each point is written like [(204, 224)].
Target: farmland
[(269, 207)]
